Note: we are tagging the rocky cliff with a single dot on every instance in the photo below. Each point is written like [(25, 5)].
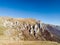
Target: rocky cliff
[(28, 29)]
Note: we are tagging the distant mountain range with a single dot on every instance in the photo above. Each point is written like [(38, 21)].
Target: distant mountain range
[(28, 29)]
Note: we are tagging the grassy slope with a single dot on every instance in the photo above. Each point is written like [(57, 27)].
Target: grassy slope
[(28, 43), (3, 40)]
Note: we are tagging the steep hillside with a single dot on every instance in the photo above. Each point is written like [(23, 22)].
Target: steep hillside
[(27, 29)]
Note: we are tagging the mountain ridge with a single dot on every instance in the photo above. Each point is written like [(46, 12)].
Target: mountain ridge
[(29, 29)]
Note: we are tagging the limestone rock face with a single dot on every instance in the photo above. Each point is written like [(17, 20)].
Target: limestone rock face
[(29, 29)]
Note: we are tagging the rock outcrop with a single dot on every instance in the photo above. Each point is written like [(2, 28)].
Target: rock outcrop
[(29, 29)]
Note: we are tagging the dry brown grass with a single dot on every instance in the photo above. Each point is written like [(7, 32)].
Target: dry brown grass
[(27, 43), (5, 41)]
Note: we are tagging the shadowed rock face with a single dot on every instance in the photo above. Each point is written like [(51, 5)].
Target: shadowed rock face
[(30, 29), (55, 31)]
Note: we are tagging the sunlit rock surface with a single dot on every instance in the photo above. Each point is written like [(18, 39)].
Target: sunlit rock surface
[(28, 29)]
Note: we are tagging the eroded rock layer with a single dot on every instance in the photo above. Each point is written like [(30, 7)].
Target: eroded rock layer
[(28, 29)]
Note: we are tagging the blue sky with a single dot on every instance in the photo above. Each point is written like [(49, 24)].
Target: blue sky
[(46, 10)]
